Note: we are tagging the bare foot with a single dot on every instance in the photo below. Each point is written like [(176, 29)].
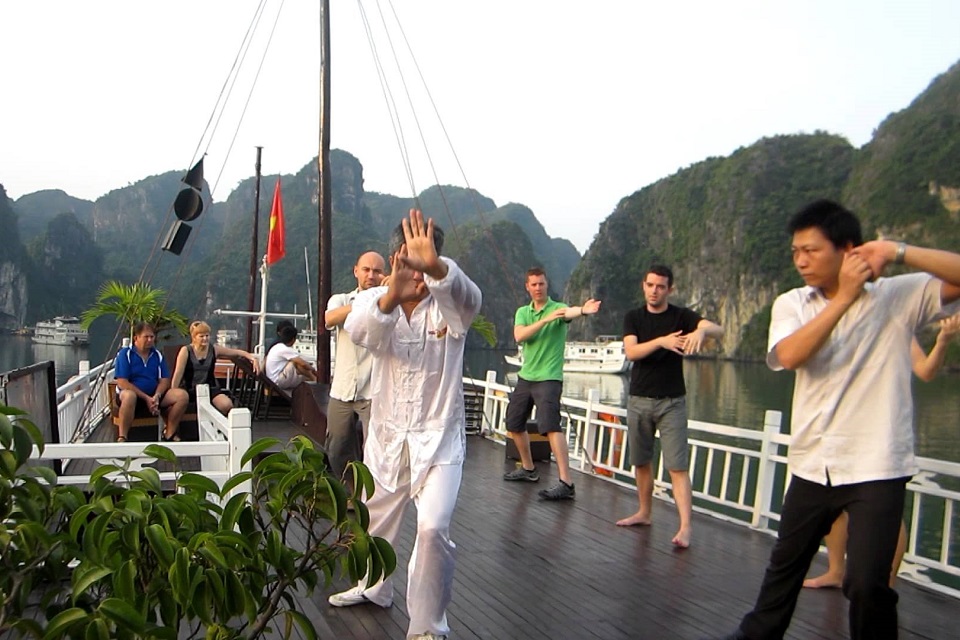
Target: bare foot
[(826, 581), (638, 519), (682, 539)]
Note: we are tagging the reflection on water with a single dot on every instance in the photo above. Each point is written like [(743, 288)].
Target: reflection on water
[(613, 388), (738, 393), (21, 351)]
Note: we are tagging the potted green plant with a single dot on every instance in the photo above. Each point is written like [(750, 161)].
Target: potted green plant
[(129, 560)]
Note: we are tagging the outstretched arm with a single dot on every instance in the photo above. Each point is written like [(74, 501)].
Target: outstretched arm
[(235, 353), (926, 366), (589, 307)]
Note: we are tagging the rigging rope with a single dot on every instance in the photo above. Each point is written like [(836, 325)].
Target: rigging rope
[(393, 110), (216, 115)]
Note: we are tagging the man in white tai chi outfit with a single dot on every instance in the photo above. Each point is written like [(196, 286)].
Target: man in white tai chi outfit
[(416, 329)]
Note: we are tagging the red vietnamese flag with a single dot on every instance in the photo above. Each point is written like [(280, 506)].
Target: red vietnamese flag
[(276, 247)]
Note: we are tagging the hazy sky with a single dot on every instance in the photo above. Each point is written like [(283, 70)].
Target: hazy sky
[(566, 107)]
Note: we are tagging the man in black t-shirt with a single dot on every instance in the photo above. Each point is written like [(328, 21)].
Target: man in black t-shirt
[(656, 337)]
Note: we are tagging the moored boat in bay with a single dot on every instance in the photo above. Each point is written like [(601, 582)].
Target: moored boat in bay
[(603, 355), (62, 330)]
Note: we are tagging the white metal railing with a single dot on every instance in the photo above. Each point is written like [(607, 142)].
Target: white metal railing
[(74, 417), (222, 443), (740, 474)]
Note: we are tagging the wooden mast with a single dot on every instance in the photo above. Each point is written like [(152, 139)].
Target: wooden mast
[(325, 200), (252, 282)]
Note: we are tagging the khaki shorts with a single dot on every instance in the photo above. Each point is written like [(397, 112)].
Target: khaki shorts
[(646, 416)]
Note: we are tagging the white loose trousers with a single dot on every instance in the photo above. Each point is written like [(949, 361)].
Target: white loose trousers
[(430, 571)]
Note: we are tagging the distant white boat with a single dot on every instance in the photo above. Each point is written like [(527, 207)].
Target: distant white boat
[(228, 338), (62, 330), (306, 344), (604, 355)]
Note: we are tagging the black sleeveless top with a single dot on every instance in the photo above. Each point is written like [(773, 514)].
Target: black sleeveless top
[(200, 370)]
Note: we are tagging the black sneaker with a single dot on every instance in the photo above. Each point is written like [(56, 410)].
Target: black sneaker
[(520, 473), (560, 491)]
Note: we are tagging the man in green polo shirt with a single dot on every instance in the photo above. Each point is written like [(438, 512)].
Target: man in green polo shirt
[(541, 327)]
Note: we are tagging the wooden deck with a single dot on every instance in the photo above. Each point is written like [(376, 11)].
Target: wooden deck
[(543, 571)]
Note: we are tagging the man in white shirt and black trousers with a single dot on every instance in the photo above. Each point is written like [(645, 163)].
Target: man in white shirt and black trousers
[(847, 334), (416, 330)]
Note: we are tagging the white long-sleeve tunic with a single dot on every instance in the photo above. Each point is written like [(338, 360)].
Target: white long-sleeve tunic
[(417, 379)]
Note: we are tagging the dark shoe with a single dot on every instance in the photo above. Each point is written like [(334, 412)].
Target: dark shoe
[(520, 473), (559, 491), (174, 438)]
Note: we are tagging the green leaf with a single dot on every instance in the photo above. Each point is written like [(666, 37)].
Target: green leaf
[(23, 445), (362, 481), (48, 475), (202, 602), (179, 577), (150, 478), (79, 519), (216, 587), (83, 581), (231, 512), (103, 470), (235, 481), (27, 628), (197, 482), (257, 448), (162, 549), (306, 627), (169, 612), (124, 582), (130, 534), (486, 329), (64, 621), (97, 629), (213, 555), (160, 452), (234, 592), (123, 615), (387, 555), (6, 428)]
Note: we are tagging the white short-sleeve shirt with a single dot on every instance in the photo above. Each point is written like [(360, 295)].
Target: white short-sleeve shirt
[(852, 404), (277, 358)]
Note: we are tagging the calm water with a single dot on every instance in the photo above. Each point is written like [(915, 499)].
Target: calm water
[(737, 393), (20, 351)]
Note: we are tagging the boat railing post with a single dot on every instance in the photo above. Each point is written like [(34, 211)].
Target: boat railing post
[(489, 402), (239, 435), (589, 446), (84, 368), (766, 472)]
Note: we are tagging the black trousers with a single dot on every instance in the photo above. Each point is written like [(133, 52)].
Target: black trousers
[(809, 509)]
